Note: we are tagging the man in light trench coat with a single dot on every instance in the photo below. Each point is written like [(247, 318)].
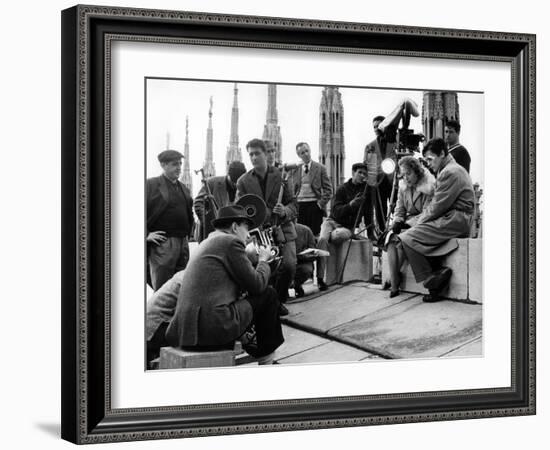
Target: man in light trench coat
[(447, 217)]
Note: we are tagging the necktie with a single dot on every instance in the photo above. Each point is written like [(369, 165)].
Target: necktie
[(306, 169)]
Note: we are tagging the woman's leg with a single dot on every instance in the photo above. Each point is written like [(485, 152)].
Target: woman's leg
[(394, 263)]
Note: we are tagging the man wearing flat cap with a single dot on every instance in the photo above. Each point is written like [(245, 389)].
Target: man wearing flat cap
[(169, 220), (222, 294), (338, 227), (222, 190)]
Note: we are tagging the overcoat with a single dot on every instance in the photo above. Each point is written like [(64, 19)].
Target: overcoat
[(249, 183), (210, 309), (411, 201), (157, 200), (447, 216), (162, 304), (320, 183), (218, 188)]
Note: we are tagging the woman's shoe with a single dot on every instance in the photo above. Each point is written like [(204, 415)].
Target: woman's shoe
[(394, 293), (386, 285)]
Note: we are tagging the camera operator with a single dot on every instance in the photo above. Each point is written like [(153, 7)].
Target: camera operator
[(384, 146)]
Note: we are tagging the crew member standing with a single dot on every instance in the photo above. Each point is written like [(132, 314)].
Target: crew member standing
[(313, 189), (223, 189), (169, 220), (266, 182), (456, 149), (375, 152)]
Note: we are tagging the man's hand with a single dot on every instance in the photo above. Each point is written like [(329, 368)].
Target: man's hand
[(357, 200), (279, 209), (264, 254), (156, 237)]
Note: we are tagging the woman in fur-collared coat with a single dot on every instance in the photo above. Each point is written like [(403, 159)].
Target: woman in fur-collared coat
[(416, 189)]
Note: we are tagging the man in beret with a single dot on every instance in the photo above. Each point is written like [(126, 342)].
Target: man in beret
[(169, 220), (222, 294), (338, 227), (223, 190)]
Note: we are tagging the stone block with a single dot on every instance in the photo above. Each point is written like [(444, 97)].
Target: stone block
[(359, 263), (177, 358), (475, 270), (460, 261)]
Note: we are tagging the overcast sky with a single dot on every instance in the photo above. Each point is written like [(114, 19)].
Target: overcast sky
[(170, 101)]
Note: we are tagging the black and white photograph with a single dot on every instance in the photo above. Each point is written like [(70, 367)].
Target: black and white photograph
[(284, 222), (298, 224)]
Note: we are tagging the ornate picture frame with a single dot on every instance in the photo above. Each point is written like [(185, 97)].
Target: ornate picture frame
[(88, 33)]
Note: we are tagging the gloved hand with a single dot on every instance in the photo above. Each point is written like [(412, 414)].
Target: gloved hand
[(397, 227)]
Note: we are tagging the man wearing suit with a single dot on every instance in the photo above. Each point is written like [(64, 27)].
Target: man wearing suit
[(375, 152), (456, 149), (222, 294), (223, 189), (312, 188), (266, 182), (169, 220)]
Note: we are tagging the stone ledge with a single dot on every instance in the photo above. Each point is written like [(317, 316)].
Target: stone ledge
[(359, 263), (466, 281), (177, 358)]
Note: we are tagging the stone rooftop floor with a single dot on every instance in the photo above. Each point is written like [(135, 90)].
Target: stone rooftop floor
[(358, 321)]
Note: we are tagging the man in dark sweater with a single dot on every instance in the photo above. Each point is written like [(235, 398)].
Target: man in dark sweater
[(338, 227), (455, 148), (169, 220)]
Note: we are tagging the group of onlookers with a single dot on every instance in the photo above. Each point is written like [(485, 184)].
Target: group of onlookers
[(222, 294)]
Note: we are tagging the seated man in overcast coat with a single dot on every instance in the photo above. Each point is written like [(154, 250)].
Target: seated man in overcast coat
[(448, 216), (211, 311)]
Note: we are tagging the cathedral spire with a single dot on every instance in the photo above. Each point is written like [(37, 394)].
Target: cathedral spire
[(208, 166), (186, 172), (233, 151), (438, 107), (331, 135), (272, 131)]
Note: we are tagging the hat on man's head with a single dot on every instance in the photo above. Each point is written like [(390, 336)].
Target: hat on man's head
[(235, 170), (169, 155), (231, 213)]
